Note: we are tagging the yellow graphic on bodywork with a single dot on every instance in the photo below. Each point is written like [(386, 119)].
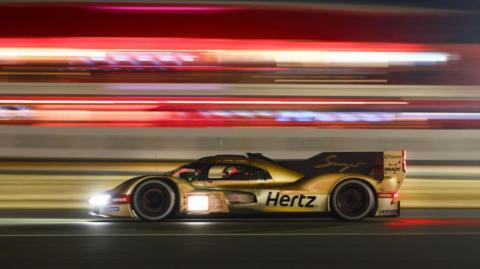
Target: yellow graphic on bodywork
[(331, 162)]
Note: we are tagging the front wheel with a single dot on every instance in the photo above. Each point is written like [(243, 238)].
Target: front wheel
[(352, 199), (153, 200)]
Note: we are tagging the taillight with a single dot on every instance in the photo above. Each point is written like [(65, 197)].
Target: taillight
[(388, 195), (392, 195), (395, 198)]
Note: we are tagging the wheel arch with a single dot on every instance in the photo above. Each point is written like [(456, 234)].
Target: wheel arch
[(167, 181), (369, 182)]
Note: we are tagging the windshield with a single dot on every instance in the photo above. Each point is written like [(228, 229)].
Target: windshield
[(188, 171)]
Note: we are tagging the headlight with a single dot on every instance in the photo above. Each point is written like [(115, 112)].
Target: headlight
[(197, 202), (99, 199)]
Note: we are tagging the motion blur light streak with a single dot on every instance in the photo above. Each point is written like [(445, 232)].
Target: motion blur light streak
[(465, 95), (197, 60), (441, 116), (132, 44), (239, 118), (77, 102), (409, 222), (54, 181), (42, 54), (232, 111), (169, 86), (164, 9), (255, 101), (360, 58), (285, 102), (279, 56)]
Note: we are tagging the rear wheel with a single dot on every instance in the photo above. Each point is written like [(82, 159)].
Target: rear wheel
[(352, 199), (153, 200)]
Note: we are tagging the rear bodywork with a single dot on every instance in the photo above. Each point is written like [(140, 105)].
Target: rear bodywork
[(291, 186)]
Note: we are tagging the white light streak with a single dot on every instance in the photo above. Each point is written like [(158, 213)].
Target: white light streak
[(203, 102)]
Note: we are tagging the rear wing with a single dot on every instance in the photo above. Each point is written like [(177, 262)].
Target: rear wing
[(378, 165)]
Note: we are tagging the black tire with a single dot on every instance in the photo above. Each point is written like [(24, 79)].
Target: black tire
[(352, 199), (153, 200)]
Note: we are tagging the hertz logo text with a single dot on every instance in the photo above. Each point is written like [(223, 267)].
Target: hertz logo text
[(285, 200)]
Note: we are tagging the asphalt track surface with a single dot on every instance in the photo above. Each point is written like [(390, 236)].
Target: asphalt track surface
[(418, 239)]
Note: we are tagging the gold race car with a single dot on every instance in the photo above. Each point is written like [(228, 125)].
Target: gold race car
[(349, 185)]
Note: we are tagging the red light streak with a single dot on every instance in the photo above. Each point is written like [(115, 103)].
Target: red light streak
[(411, 222), (188, 101), (164, 9), (231, 111), (158, 43)]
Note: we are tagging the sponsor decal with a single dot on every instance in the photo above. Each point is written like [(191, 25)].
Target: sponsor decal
[(114, 208), (286, 200), (395, 164), (388, 212), (392, 169), (392, 156), (330, 161)]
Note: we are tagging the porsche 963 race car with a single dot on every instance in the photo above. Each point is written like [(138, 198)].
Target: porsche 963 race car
[(349, 185)]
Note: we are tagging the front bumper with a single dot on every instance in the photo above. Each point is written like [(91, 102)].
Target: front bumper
[(112, 210)]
